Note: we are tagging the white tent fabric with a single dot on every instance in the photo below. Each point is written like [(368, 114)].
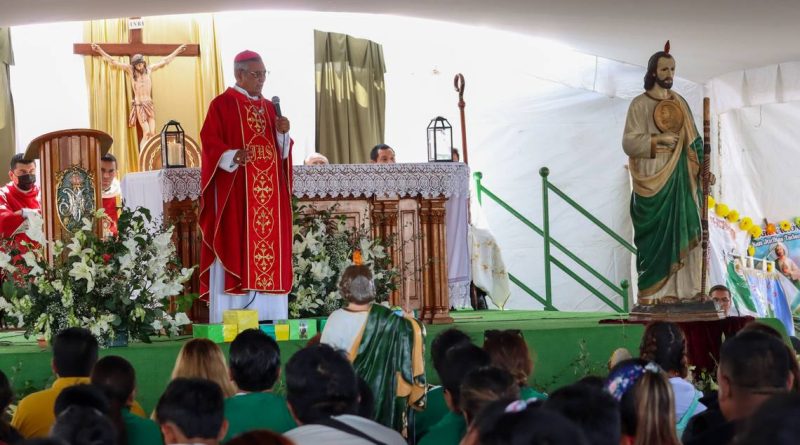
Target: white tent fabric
[(757, 152), (530, 104), (760, 86)]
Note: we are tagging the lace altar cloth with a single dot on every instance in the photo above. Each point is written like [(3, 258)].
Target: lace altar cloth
[(448, 179), (340, 180), (178, 184)]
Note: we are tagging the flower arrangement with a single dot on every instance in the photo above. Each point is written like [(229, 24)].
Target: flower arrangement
[(323, 247), (116, 287), (746, 223)]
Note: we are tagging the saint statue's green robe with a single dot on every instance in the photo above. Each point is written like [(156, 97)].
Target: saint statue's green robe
[(388, 355), (665, 204)]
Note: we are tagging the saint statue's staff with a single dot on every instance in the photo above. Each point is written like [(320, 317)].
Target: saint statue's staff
[(706, 191)]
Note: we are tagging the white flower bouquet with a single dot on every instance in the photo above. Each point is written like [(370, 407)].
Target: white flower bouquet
[(116, 287), (323, 247)]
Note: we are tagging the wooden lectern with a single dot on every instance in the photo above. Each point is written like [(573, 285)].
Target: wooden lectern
[(69, 165)]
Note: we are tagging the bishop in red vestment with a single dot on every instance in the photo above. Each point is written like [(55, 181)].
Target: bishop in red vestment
[(18, 199), (245, 205)]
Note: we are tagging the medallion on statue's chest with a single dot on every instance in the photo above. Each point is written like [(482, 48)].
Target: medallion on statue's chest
[(668, 116)]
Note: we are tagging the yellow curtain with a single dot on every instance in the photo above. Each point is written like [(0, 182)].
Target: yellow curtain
[(351, 96), (181, 91), (7, 140)]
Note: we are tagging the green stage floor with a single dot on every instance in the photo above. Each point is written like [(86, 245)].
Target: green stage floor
[(566, 347)]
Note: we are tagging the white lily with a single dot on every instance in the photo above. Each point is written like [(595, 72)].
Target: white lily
[(83, 271), (35, 229), (31, 261), (5, 262)]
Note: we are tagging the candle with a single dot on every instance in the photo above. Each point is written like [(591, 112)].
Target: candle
[(174, 153)]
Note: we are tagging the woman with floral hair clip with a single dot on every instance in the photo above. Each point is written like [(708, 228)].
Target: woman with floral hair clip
[(647, 408)]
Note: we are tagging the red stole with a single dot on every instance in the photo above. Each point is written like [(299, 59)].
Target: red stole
[(110, 223), (12, 200), (250, 231)]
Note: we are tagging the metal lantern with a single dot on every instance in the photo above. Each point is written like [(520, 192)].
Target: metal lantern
[(173, 146), (440, 140)]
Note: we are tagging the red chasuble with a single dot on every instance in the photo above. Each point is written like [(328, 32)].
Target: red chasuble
[(246, 215), (12, 200), (110, 224)]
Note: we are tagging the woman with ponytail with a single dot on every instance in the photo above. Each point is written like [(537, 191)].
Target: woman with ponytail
[(664, 344), (117, 379), (647, 410)]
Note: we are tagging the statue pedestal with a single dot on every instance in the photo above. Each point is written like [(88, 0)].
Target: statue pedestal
[(677, 312)]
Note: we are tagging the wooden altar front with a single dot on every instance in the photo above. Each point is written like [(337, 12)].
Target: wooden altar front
[(406, 202), (417, 226)]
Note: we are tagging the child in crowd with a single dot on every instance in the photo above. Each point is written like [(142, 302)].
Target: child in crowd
[(480, 388), (647, 409), (116, 378), (7, 433), (663, 342), (508, 350), (591, 408), (436, 407), (483, 386), (458, 363), (202, 358), (255, 365), (524, 422), (192, 411)]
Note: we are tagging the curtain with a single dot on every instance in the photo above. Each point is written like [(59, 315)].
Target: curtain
[(7, 143), (181, 91), (350, 96)]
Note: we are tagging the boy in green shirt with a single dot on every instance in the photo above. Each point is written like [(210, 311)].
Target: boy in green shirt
[(436, 407), (459, 361), (254, 361)]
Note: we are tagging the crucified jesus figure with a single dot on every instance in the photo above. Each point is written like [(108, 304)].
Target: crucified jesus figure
[(142, 109)]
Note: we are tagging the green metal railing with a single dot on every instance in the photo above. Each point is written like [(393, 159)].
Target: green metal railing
[(549, 259)]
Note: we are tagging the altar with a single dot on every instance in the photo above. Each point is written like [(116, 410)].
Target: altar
[(423, 207)]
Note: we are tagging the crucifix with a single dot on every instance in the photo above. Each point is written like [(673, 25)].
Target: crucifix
[(142, 108)]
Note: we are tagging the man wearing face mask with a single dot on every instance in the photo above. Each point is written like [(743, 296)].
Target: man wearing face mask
[(19, 198)]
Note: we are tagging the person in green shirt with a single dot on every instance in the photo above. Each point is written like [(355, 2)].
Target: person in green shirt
[(116, 378), (254, 360), (459, 362), (483, 386), (508, 350), (435, 405)]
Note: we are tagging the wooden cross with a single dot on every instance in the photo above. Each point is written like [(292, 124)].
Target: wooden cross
[(136, 46)]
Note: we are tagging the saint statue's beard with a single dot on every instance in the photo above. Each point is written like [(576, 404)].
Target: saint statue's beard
[(665, 83)]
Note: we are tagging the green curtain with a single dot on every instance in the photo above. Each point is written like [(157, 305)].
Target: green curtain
[(351, 97), (7, 141)]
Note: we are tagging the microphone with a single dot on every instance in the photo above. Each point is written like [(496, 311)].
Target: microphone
[(276, 101)]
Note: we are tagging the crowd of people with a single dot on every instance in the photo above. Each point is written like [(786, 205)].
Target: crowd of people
[(484, 397)]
